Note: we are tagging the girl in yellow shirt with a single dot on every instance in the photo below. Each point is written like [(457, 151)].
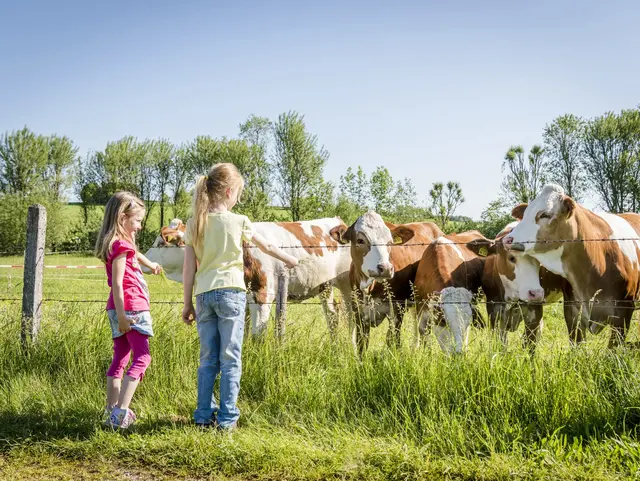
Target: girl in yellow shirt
[(214, 237)]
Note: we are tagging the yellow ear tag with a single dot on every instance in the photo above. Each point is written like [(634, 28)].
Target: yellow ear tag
[(483, 252), (397, 240), (169, 238)]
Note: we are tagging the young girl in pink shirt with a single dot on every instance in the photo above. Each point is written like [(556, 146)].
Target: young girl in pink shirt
[(128, 304)]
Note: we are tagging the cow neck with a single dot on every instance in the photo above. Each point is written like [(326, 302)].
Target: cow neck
[(591, 254)]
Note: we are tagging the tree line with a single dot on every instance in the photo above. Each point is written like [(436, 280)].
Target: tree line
[(283, 163)]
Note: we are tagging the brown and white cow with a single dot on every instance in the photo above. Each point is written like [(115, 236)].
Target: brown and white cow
[(322, 264), (597, 253), (171, 234), (384, 259), (467, 262)]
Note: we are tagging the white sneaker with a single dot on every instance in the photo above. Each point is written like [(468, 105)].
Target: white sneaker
[(122, 418)]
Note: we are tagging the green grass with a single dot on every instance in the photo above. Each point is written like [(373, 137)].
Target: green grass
[(309, 410)]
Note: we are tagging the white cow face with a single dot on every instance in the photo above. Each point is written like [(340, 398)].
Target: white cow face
[(542, 220), (547, 218), (521, 278), (371, 241), (458, 313)]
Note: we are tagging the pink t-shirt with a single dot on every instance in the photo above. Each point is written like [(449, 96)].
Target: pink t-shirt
[(136, 292)]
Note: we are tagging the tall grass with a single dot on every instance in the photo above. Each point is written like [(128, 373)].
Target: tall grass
[(311, 410)]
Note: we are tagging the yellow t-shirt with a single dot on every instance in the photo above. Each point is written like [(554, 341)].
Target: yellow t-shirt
[(220, 252)]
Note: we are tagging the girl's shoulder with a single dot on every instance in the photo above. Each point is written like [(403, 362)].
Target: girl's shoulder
[(121, 246)]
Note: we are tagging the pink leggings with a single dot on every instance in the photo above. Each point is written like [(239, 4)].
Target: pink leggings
[(122, 347)]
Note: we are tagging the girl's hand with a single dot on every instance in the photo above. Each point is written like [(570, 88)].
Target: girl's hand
[(291, 262), (125, 323), (188, 314), (155, 268)]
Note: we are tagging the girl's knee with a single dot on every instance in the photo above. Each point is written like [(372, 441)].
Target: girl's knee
[(139, 366)]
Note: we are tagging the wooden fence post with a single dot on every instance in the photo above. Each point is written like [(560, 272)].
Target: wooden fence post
[(281, 304), (33, 273)]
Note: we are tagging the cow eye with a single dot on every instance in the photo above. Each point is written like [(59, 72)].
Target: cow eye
[(512, 259), (360, 242), (545, 215)]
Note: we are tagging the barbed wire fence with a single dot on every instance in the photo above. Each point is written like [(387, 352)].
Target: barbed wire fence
[(32, 297)]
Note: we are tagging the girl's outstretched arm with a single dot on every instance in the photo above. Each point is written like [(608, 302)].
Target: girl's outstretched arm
[(152, 266), (268, 248), (188, 277)]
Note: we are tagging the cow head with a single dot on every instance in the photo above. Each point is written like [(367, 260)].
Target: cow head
[(455, 303), (371, 239), (164, 253), (519, 274), (548, 217)]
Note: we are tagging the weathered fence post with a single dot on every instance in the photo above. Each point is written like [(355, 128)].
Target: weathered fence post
[(281, 305), (33, 273)]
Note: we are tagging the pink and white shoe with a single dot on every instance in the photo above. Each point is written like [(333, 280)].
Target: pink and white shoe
[(122, 418)]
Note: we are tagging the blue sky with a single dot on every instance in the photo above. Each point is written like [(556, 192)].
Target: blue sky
[(434, 91)]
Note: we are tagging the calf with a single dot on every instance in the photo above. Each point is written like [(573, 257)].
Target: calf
[(384, 259), (322, 265), (598, 254)]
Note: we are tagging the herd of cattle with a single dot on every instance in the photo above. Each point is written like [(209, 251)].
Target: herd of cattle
[(554, 249)]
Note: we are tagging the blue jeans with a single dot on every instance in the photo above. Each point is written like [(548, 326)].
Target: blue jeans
[(220, 317)]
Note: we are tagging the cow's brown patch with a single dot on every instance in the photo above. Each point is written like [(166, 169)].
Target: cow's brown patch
[(254, 276), (314, 244)]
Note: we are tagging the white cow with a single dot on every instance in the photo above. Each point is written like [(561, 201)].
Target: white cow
[(322, 264)]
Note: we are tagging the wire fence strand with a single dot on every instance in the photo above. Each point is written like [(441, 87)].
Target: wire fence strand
[(620, 303), (338, 245)]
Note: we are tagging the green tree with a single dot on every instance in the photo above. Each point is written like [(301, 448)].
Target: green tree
[(445, 201), (205, 152), (33, 169), (181, 171), (257, 132), (381, 187), (406, 208), (162, 155), (494, 218), (611, 149), (24, 158), (59, 172), (563, 141), (353, 196), (525, 176), (298, 163)]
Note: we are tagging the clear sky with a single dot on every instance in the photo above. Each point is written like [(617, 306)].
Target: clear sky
[(434, 91)]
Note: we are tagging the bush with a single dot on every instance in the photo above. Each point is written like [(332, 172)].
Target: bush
[(82, 237), (13, 221)]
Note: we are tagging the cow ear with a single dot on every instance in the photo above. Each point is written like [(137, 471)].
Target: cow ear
[(341, 234), (482, 247), (402, 234), (568, 206), (518, 211)]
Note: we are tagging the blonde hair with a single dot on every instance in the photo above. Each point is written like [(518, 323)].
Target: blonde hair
[(121, 204), (211, 189)]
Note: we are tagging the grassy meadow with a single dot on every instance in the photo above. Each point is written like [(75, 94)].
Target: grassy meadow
[(309, 409)]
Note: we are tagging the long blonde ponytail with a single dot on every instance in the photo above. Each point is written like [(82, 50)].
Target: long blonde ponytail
[(200, 210), (210, 190)]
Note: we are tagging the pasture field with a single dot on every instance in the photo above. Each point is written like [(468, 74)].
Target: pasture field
[(309, 409)]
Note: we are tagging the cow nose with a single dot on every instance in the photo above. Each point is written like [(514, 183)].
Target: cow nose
[(536, 295), (385, 269)]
